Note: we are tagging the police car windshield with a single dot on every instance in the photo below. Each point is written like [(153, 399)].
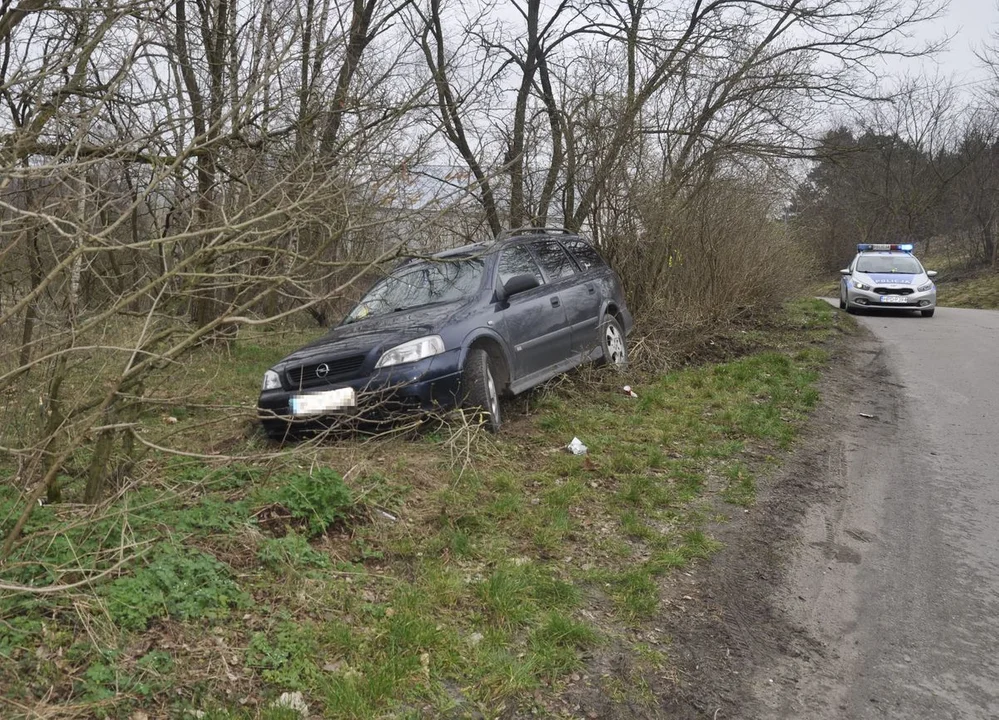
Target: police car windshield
[(905, 264)]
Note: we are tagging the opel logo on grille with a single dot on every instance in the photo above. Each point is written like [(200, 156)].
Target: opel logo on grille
[(322, 370)]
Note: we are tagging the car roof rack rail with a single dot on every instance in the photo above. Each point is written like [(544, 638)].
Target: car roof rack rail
[(531, 230)]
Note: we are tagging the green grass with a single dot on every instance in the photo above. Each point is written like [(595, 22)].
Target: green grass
[(393, 577), (961, 283), (980, 292)]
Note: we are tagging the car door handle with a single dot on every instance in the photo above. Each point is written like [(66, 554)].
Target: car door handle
[(590, 289), (555, 302)]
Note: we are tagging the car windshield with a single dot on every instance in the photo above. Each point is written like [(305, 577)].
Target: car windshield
[(905, 264), (420, 284)]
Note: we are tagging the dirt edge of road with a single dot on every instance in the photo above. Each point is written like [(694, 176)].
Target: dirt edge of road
[(725, 618)]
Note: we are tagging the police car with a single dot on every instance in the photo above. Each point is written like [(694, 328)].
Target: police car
[(887, 277)]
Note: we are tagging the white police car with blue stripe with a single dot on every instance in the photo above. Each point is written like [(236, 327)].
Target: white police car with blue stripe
[(887, 277)]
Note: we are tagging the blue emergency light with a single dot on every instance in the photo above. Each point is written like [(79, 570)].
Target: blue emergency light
[(867, 247)]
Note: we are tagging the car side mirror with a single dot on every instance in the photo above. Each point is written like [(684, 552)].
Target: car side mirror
[(517, 284), (931, 273), (844, 271)]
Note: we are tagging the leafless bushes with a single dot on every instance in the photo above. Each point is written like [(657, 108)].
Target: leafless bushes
[(723, 254)]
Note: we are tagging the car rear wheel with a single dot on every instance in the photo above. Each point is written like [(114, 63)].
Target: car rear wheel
[(479, 388), (928, 313), (612, 341)]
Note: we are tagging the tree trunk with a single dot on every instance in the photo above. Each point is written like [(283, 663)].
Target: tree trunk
[(53, 424), (97, 471), (518, 209), (358, 38), (31, 311)]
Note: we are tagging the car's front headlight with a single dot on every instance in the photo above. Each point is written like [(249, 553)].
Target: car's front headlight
[(861, 286), (412, 351), (924, 288), (272, 381)]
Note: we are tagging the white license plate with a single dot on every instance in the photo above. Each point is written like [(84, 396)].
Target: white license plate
[(893, 299), (323, 402)]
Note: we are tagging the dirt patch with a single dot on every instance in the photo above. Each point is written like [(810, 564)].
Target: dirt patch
[(720, 621)]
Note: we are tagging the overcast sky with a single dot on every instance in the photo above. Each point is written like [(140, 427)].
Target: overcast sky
[(969, 22)]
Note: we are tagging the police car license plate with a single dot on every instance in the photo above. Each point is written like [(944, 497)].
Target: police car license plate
[(893, 299), (323, 402)]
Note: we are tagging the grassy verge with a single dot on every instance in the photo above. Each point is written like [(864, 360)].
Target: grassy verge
[(980, 292), (440, 573), (962, 284)]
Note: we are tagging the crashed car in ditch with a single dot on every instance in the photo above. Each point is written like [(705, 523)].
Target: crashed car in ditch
[(459, 329)]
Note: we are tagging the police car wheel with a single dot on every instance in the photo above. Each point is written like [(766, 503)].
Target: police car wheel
[(842, 303), (927, 313)]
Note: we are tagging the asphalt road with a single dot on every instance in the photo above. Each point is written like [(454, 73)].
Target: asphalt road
[(896, 578)]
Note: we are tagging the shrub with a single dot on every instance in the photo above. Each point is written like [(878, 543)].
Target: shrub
[(710, 255), (284, 657), (180, 583), (320, 499)]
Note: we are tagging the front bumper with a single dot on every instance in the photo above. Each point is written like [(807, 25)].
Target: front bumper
[(869, 300), (426, 385)]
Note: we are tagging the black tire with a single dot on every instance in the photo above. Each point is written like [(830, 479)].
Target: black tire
[(479, 388), (613, 343), (852, 310), (927, 313), (842, 302)]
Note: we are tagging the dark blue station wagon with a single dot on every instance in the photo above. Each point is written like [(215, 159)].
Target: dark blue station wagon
[(459, 329)]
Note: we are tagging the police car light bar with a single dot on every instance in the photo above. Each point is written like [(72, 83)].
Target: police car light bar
[(867, 247)]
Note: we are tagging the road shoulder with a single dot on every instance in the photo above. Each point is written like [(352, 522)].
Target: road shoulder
[(742, 637)]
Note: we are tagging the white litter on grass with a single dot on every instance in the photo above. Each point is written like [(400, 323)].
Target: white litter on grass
[(293, 701), (576, 447), (629, 392)]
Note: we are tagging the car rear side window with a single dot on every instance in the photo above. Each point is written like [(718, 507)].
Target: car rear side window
[(553, 259), (518, 261), (586, 256)]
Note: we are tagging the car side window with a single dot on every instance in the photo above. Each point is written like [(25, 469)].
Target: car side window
[(553, 259), (586, 256), (517, 260)]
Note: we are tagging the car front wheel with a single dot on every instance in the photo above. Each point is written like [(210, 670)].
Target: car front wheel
[(612, 341), (479, 387), (928, 313)]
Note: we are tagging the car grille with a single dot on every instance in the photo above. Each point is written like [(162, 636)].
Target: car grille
[(310, 375), (893, 291)]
